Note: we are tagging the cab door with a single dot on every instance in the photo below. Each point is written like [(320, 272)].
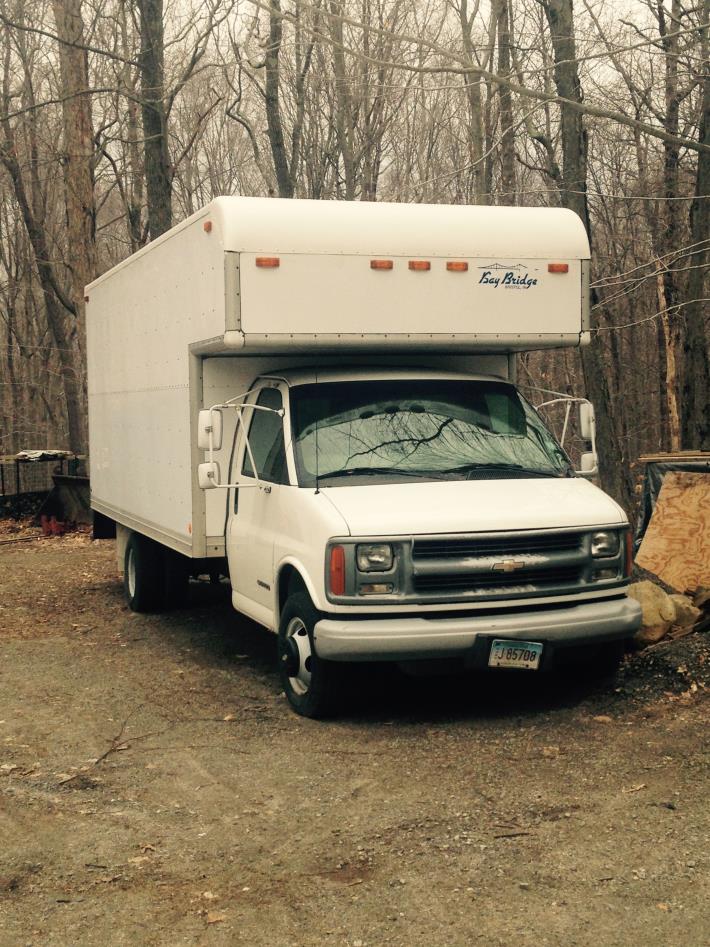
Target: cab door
[(255, 517)]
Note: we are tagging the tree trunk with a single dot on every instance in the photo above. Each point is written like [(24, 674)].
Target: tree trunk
[(344, 111), (507, 144), (696, 370), (274, 123), (58, 318), (614, 471), (158, 170), (78, 164), (475, 111), (672, 320)]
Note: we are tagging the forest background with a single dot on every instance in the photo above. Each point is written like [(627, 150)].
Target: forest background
[(121, 117)]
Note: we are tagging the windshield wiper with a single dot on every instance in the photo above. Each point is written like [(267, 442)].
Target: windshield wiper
[(391, 471), (535, 471)]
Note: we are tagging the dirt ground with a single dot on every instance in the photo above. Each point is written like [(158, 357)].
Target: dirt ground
[(155, 788)]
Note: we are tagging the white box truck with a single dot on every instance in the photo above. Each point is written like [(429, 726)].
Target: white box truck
[(318, 400)]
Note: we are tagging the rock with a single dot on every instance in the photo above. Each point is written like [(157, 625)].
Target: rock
[(658, 612), (686, 614)]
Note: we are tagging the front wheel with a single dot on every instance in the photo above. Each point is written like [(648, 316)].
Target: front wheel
[(312, 685)]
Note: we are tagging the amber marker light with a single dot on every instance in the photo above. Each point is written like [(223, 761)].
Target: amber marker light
[(337, 570), (381, 265), (268, 262), (558, 267), (207, 226), (420, 266), (457, 266)]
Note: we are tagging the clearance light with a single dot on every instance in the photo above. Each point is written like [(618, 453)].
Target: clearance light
[(207, 226), (558, 267), (457, 266), (421, 266), (268, 262), (337, 570), (381, 264)]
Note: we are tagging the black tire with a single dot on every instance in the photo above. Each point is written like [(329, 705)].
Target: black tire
[(176, 578), (606, 661), (144, 574), (313, 687)]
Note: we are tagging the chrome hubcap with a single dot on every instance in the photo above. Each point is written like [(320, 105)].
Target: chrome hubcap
[(298, 656)]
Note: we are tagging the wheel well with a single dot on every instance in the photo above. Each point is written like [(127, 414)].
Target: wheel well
[(290, 581)]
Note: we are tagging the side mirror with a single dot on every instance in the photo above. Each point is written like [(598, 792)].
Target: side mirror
[(209, 422), (587, 421), (208, 475), (589, 464)]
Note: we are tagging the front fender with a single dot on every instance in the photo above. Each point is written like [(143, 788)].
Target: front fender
[(284, 571)]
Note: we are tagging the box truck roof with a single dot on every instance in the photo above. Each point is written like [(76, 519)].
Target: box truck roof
[(384, 229)]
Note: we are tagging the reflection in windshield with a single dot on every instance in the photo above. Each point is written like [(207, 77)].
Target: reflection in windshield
[(385, 431)]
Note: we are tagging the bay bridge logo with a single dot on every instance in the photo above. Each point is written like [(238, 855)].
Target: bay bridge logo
[(498, 275)]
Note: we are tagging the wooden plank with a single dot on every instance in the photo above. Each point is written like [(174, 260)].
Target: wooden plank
[(680, 457), (676, 546)]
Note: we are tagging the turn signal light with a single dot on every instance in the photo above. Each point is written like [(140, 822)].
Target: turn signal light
[(268, 262), (457, 266), (381, 264), (337, 570), (419, 265), (558, 267)]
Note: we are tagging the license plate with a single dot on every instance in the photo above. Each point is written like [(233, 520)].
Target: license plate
[(510, 653)]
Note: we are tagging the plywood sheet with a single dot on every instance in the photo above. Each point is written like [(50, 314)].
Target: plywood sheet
[(676, 546)]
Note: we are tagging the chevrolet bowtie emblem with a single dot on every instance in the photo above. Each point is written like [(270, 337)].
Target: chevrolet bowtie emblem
[(508, 565)]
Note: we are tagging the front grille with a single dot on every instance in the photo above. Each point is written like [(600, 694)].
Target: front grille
[(498, 566), (505, 546), (539, 578)]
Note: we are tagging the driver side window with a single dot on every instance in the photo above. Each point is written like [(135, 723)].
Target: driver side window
[(266, 439)]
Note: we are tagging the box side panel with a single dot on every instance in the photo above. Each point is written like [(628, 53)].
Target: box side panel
[(326, 295), (141, 319)]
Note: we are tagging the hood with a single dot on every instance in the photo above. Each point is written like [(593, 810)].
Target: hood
[(471, 506)]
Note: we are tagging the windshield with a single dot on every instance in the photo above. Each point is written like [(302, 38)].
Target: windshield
[(414, 429)]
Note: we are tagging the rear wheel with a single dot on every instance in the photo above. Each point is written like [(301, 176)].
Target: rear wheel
[(144, 574), (312, 686)]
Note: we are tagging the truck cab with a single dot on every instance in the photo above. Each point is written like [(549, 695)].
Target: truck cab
[(413, 515)]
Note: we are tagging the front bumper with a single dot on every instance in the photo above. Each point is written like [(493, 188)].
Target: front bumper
[(421, 637)]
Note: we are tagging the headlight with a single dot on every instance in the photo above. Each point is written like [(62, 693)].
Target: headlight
[(375, 557), (605, 544)]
